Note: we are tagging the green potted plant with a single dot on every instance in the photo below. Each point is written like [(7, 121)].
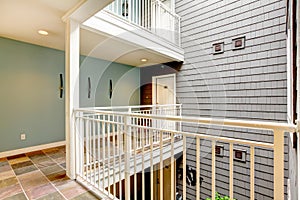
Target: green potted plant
[(219, 197)]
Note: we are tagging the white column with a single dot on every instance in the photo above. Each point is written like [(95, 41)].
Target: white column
[(298, 91), (71, 91)]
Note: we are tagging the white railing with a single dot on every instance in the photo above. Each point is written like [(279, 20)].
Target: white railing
[(152, 15), (112, 146)]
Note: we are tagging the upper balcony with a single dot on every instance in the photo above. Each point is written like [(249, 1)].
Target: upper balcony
[(140, 27), (154, 16)]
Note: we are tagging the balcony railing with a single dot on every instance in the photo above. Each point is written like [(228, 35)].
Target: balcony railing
[(152, 15), (117, 146)]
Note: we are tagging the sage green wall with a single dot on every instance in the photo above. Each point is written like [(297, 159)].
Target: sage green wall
[(29, 95), (125, 82), (30, 103)]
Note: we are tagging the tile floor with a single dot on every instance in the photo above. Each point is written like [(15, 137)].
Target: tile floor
[(39, 175)]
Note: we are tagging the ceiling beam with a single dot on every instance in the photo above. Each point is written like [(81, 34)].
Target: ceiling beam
[(85, 9)]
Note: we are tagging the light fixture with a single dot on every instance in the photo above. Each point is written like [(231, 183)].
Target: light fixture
[(43, 32), (144, 60)]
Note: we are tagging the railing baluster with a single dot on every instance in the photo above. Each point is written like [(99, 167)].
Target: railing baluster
[(120, 135), (127, 138), (213, 169), (135, 170), (184, 167), (278, 165), (77, 143), (173, 182), (80, 143), (81, 154), (94, 150), (231, 170), (86, 149), (99, 152), (143, 165), (108, 150), (114, 155), (151, 165), (161, 167), (197, 168), (140, 134), (90, 151), (252, 174), (103, 152)]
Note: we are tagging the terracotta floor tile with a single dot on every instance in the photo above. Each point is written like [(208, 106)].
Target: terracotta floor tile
[(62, 181), (7, 174), (3, 159), (71, 189), (32, 180), (3, 162), (86, 196), (8, 182), (51, 150), (39, 158), (58, 154), (57, 176), (44, 163), (21, 164), (60, 160), (5, 168), (62, 148), (16, 156), (25, 170), (36, 183), (34, 153), (52, 196), (18, 160), (40, 191), (10, 191), (51, 169), (20, 196)]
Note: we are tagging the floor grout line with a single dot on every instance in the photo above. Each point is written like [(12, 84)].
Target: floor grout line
[(55, 160), (19, 182), (49, 179)]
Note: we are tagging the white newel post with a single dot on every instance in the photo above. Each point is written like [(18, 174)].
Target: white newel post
[(71, 91), (127, 138), (298, 92)]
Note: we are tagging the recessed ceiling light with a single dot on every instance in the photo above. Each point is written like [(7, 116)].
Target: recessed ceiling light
[(144, 60), (43, 32)]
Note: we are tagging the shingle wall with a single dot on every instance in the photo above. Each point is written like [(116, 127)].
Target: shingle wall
[(249, 83)]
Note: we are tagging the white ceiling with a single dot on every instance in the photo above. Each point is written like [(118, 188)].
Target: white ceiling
[(21, 19)]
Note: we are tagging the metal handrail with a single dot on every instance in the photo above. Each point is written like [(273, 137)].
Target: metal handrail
[(201, 120), (126, 127)]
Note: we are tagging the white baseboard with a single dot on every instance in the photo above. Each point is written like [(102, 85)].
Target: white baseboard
[(30, 149)]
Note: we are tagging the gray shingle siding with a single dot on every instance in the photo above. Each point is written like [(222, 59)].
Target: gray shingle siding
[(249, 83)]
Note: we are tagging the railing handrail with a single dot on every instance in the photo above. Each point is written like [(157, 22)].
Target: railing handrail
[(205, 121), (126, 107), (127, 125)]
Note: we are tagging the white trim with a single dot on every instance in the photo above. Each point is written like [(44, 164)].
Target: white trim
[(133, 34), (298, 91), (85, 9), (31, 149), (289, 79), (154, 80)]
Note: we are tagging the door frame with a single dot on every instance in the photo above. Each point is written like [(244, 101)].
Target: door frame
[(154, 86)]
